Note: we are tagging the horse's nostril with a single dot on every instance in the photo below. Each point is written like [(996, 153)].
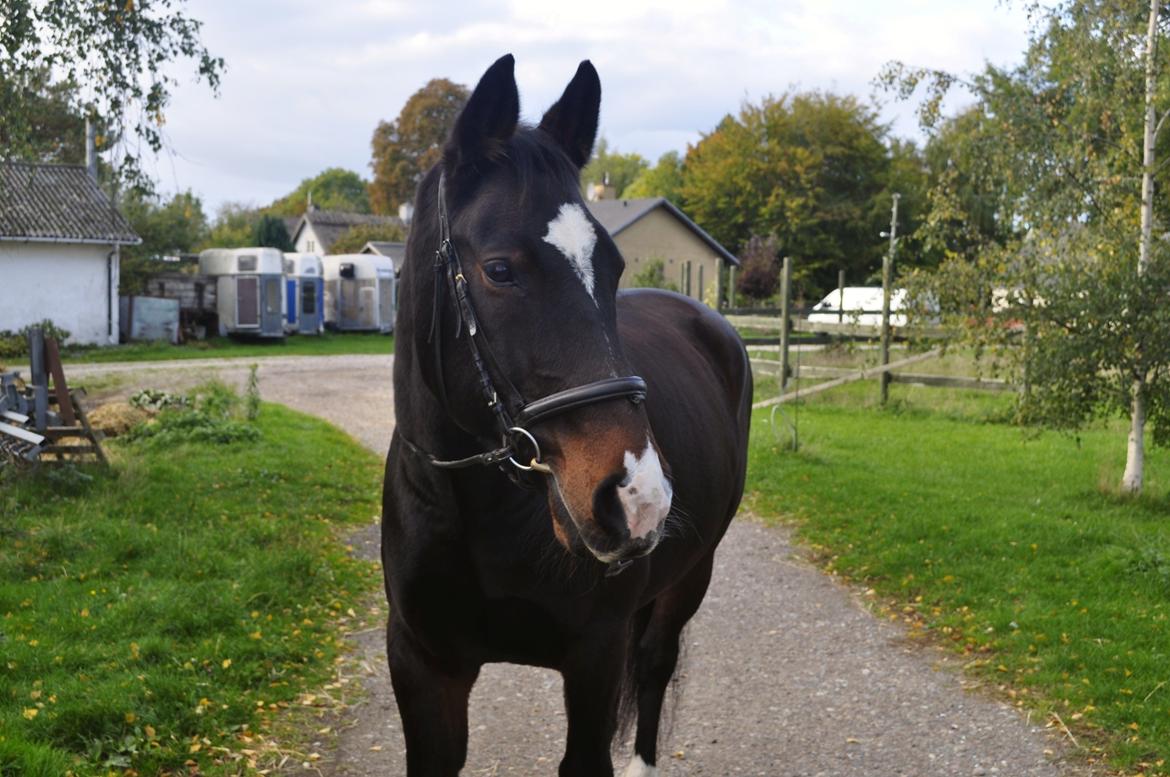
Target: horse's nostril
[(632, 490)]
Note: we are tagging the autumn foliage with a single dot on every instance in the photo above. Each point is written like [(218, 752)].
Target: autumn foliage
[(404, 149)]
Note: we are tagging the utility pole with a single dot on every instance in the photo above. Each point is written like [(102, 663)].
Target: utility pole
[(887, 276)]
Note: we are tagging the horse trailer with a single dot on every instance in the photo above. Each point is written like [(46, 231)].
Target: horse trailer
[(249, 287), (304, 291), (359, 293)]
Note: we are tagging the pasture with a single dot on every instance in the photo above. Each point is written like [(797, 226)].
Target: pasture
[(1005, 547), (165, 616)]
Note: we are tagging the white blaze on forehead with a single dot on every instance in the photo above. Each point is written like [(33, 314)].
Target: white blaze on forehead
[(572, 233), (639, 768), (646, 494)]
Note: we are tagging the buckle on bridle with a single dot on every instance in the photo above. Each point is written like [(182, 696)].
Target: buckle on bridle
[(534, 464)]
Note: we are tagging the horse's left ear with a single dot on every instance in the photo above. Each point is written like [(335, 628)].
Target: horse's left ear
[(572, 120)]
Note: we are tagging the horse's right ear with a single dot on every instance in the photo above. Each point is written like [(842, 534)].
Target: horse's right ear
[(488, 120)]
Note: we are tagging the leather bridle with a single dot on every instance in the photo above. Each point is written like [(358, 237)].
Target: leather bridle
[(515, 438)]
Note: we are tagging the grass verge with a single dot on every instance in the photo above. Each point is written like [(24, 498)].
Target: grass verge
[(327, 344), (1012, 550), (159, 619)]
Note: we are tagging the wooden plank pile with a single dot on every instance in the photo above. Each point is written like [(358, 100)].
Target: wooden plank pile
[(43, 420)]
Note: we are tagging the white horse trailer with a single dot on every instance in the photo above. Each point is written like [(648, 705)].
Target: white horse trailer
[(359, 293), (304, 292), (249, 287)]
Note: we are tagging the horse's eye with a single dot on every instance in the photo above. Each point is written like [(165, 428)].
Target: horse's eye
[(498, 271)]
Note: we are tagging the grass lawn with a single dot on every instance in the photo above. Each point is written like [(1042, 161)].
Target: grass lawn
[(161, 618), (328, 344), (1008, 548)]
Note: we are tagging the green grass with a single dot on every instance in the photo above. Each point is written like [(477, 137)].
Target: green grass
[(171, 610), (1009, 548), (328, 344)]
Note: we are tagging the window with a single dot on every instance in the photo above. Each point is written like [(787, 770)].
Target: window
[(246, 263), (308, 299), (272, 296), (346, 271)]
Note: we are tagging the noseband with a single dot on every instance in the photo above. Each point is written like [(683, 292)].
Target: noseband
[(515, 438)]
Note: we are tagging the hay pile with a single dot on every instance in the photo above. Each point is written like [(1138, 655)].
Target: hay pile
[(117, 418)]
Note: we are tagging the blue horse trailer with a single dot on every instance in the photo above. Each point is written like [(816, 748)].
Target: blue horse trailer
[(305, 294)]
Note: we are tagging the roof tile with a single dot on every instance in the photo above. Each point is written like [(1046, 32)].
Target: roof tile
[(57, 202)]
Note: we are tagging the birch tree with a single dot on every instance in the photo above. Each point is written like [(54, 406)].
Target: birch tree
[(1071, 136)]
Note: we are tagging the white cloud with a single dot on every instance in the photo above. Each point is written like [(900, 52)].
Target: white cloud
[(306, 85)]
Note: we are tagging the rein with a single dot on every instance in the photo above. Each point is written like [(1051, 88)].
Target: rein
[(515, 438)]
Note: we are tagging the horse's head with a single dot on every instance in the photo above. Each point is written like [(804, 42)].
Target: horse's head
[(542, 277)]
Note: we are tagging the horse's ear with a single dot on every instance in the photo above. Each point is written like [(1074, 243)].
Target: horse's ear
[(489, 119), (572, 121)]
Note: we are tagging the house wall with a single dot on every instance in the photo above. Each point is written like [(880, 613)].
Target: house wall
[(70, 284), (659, 235), (307, 241)]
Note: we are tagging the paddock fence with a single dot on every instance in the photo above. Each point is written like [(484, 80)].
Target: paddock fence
[(785, 330)]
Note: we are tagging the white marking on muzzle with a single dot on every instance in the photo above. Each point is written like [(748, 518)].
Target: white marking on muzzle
[(646, 493), (572, 232), (639, 768)]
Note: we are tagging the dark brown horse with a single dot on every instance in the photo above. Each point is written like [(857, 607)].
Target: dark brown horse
[(566, 457)]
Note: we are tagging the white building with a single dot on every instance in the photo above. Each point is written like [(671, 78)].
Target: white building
[(59, 251)]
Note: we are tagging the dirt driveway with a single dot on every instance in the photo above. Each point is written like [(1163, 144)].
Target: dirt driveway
[(787, 674)]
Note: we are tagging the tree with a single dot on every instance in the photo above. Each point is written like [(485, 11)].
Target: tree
[(270, 231), (404, 149), (1069, 140), (612, 168), (120, 55), (760, 270), (810, 168), (48, 127), (168, 228), (331, 189), (663, 180), (234, 226), (355, 238)]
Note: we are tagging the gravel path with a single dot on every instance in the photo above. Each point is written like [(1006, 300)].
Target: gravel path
[(787, 675)]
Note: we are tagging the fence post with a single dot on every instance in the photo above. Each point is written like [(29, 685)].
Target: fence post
[(840, 296), (887, 272), (40, 378), (785, 324)]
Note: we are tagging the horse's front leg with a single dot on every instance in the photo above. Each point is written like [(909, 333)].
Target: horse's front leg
[(432, 701), (593, 675)]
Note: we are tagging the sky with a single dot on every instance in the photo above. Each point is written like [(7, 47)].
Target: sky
[(307, 81)]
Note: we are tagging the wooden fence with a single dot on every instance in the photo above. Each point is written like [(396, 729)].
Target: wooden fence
[(786, 320)]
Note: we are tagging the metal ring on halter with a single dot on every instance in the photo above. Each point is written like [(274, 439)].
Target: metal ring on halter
[(535, 465)]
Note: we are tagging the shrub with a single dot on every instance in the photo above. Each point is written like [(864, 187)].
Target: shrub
[(209, 415), (760, 271), (653, 276), (14, 344)]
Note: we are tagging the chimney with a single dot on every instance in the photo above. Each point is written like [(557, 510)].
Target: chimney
[(91, 148)]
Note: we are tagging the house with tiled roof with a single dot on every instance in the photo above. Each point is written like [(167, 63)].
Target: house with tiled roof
[(318, 230), (60, 243), (655, 230)]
